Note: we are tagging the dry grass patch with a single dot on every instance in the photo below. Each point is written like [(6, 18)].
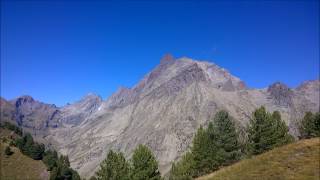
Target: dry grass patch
[(297, 161), (19, 166)]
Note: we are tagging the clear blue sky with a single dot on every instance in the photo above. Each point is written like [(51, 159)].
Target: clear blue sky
[(57, 51)]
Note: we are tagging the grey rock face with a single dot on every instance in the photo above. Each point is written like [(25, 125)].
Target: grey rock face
[(281, 94), (162, 111), (35, 115), (75, 113)]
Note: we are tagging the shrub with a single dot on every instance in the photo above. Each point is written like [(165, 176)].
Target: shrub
[(8, 151)]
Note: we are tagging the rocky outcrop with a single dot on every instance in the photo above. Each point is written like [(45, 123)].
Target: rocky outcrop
[(76, 113), (34, 115), (281, 94), (162, 111)]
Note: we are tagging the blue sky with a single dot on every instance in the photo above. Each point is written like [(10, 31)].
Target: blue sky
[(58, 51)]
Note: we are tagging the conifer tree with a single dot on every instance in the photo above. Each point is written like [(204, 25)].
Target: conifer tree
[(144, 164), (114, 167), (183, 169), (266, 131), (205, 151), (35, 151), (310, 125), (282, 135), (226, 137)]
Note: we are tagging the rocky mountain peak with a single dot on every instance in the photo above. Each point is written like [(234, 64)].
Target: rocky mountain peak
[(167, 58), (24, 100), (79, 111), (91, 97), (281, 94), (278, 86)]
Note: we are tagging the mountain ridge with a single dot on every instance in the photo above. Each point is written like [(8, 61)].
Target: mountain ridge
[(163, 110)]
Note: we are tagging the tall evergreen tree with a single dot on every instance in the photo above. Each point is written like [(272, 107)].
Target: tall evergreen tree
[(266, 131), (114, 167), (144, 164), (226, 137), (206, 154), (282, 135), (49, 160)]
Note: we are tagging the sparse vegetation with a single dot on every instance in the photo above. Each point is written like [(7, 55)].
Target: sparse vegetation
[(20, 166), (12, 127), (30, 148), (59, 167)]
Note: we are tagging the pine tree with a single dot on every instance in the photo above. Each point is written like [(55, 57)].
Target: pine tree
[(144, 164), (49, 160), (226, 137), (310, 125), (114, 167), (183, 169), (206, 154), (35, 151), (266, 131), (27, 144), (282, 135), (257, 133)]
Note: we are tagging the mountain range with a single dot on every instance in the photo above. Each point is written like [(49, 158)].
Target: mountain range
[(162, 111)]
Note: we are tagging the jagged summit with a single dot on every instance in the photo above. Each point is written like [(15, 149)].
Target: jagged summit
[(281, 94), (77, 112), (91, 96), (23, 99), (166, 59)]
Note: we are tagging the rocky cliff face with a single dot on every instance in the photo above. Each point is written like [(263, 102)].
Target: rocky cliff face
[(32, 115), (162, 111)]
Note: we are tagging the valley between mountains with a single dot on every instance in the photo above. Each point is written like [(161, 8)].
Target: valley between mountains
[(162, 111)]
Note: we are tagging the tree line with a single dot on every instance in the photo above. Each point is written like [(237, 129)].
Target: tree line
[(59, 166), (219, 144)]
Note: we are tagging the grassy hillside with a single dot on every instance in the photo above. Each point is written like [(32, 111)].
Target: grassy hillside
[(19, 166), (297, 161)]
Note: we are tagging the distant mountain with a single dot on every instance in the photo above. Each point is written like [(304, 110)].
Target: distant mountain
[(162, 111)]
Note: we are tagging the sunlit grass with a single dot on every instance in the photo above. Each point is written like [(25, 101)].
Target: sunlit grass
[(297, 161), (19, 166)]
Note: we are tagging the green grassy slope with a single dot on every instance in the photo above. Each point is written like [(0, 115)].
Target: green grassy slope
[(19, 166), (297, 161)]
